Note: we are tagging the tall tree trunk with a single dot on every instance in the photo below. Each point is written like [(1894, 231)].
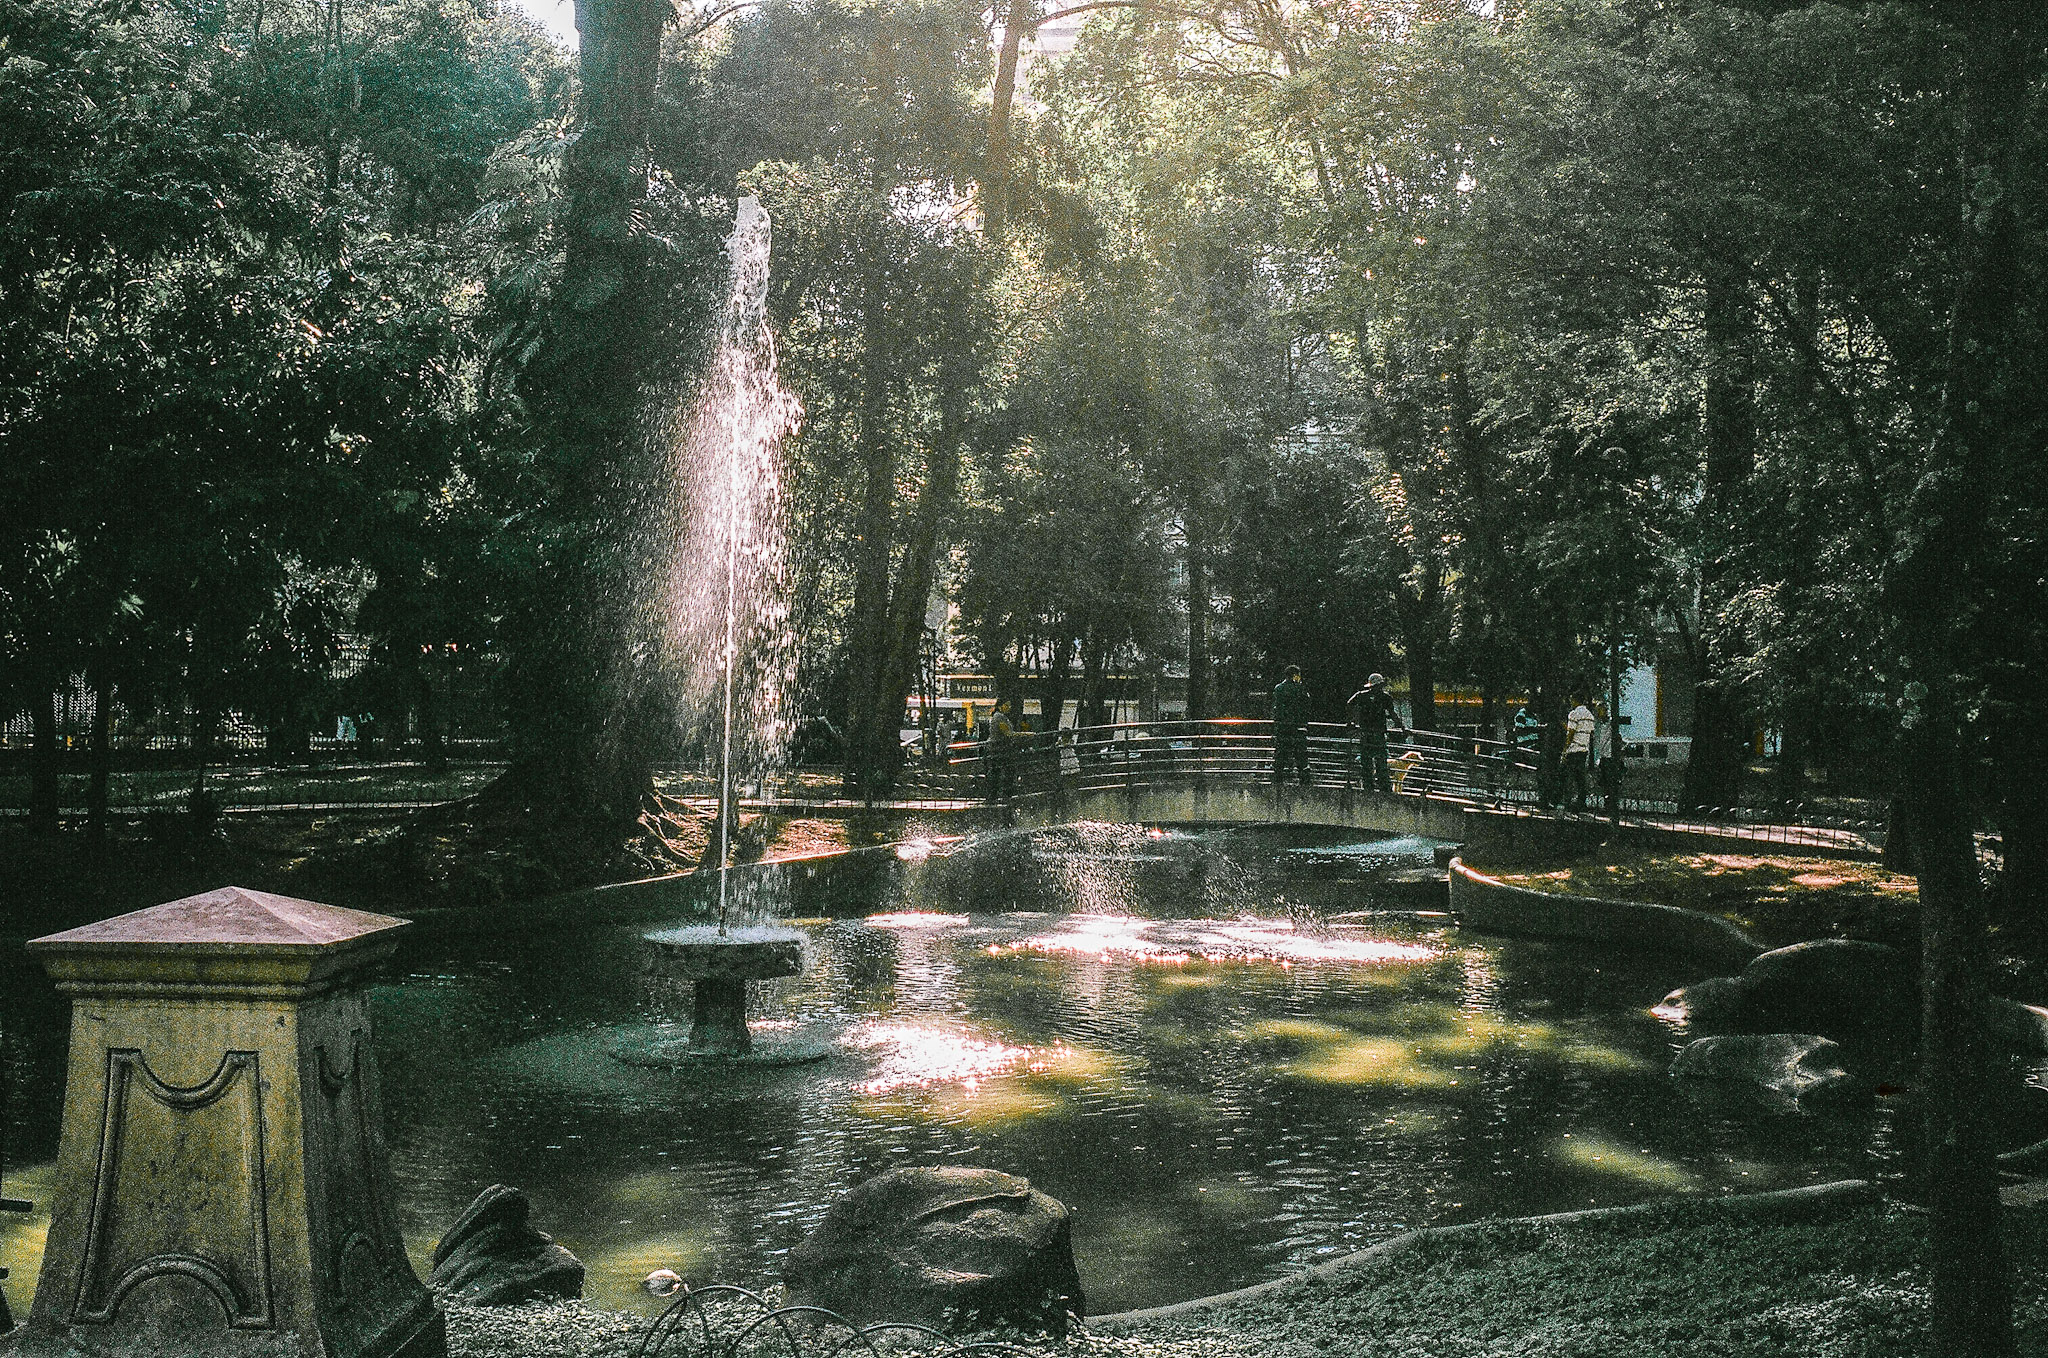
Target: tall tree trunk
[(433, 732), (1934, 587), (906, 611), (1611, 757), (1720, 727), (868, 648), (1545, 697), (1419, 636), (1058, 679), (995, 187), (1201, 704), (2023, 834), (1971, 1284), (1094, 692), (1793, 742), (1898, 835), (584, 694)]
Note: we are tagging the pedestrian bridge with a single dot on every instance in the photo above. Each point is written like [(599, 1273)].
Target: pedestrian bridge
[(1221, 772), (1190, 799)]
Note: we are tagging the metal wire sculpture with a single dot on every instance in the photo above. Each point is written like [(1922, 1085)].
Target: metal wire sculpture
[(827, 1333)]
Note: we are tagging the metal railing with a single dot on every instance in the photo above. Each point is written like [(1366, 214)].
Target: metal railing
[(339, 785), (1140, 754), (1471, 769)]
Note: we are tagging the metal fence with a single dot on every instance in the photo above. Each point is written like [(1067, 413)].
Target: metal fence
[(341, 785), (1130, 754), (1471, 769)]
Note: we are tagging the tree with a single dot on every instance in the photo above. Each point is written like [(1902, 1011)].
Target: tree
[(858, 128)]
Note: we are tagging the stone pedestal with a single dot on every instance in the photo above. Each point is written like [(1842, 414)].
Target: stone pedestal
[(222, 1184)]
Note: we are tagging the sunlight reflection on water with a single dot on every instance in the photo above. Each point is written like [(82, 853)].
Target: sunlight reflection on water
[(1176, 942), (918, 1054)]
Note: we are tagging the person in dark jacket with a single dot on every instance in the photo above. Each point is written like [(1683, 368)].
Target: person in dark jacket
[(1290, 727), (1003, 742), (1372, 711)]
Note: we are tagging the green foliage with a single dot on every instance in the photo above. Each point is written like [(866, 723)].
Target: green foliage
[(238, 383)]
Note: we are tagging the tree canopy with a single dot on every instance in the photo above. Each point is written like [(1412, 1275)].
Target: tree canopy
[(1493, 343)]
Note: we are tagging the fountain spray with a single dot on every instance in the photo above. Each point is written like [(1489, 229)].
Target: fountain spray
[(724, 592), (725, 584)]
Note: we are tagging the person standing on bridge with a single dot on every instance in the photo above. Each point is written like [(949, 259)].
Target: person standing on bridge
[(1002, 754), (1372, 711), (1290, 727)]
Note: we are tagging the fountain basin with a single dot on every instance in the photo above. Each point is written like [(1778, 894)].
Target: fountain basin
[(701, 953), (719, 966)]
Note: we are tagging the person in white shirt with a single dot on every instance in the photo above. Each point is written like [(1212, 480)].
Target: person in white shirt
[(1579, 724)]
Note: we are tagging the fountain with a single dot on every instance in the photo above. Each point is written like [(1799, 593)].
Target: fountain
[(723, 596), (719, 964)]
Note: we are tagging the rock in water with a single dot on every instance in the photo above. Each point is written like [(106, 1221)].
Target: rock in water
[(1833, 980), (1835, 986), (1716, 1002), (1797, 1067), (492, 1256), (954, 1247)]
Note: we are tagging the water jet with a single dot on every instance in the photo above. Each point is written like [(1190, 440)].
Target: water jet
[(725, 592)]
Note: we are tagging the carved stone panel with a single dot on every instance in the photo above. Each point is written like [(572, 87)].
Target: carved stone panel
[(356, 1244), (178, 1191)]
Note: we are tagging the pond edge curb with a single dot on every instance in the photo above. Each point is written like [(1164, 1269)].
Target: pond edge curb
[(1791, 1203), (1489, 904)]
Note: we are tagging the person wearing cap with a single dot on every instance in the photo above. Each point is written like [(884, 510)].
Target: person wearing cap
[(1290, 727), (1002, 753), (1372, 711)]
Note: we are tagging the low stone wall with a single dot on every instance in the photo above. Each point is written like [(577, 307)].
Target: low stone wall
[(1489, 904), (806, 885)]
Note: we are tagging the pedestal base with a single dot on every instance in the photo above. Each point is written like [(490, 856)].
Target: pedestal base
[(421, 1336), (719, 1019), (667, 1047), (222, 1188)]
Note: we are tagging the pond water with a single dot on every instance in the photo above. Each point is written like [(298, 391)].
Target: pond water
[(1233, 1054)]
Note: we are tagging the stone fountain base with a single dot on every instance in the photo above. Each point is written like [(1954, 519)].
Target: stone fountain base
[(667, 1046), (719, 967)]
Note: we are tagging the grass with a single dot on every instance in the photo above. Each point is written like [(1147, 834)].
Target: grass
[(1778, 899), (1683, 1278)]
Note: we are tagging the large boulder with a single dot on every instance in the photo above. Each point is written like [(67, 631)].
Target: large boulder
[(1790, 1068), (1831, 986), (1834, 981), (493, 1256), (954, 1247)]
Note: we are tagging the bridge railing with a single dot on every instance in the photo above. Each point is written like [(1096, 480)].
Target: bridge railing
[(1137, 754)]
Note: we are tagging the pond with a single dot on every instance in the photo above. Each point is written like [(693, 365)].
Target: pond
[(1232, 1053)]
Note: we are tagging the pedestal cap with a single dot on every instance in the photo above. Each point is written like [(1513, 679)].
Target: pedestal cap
[(229, 940)]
